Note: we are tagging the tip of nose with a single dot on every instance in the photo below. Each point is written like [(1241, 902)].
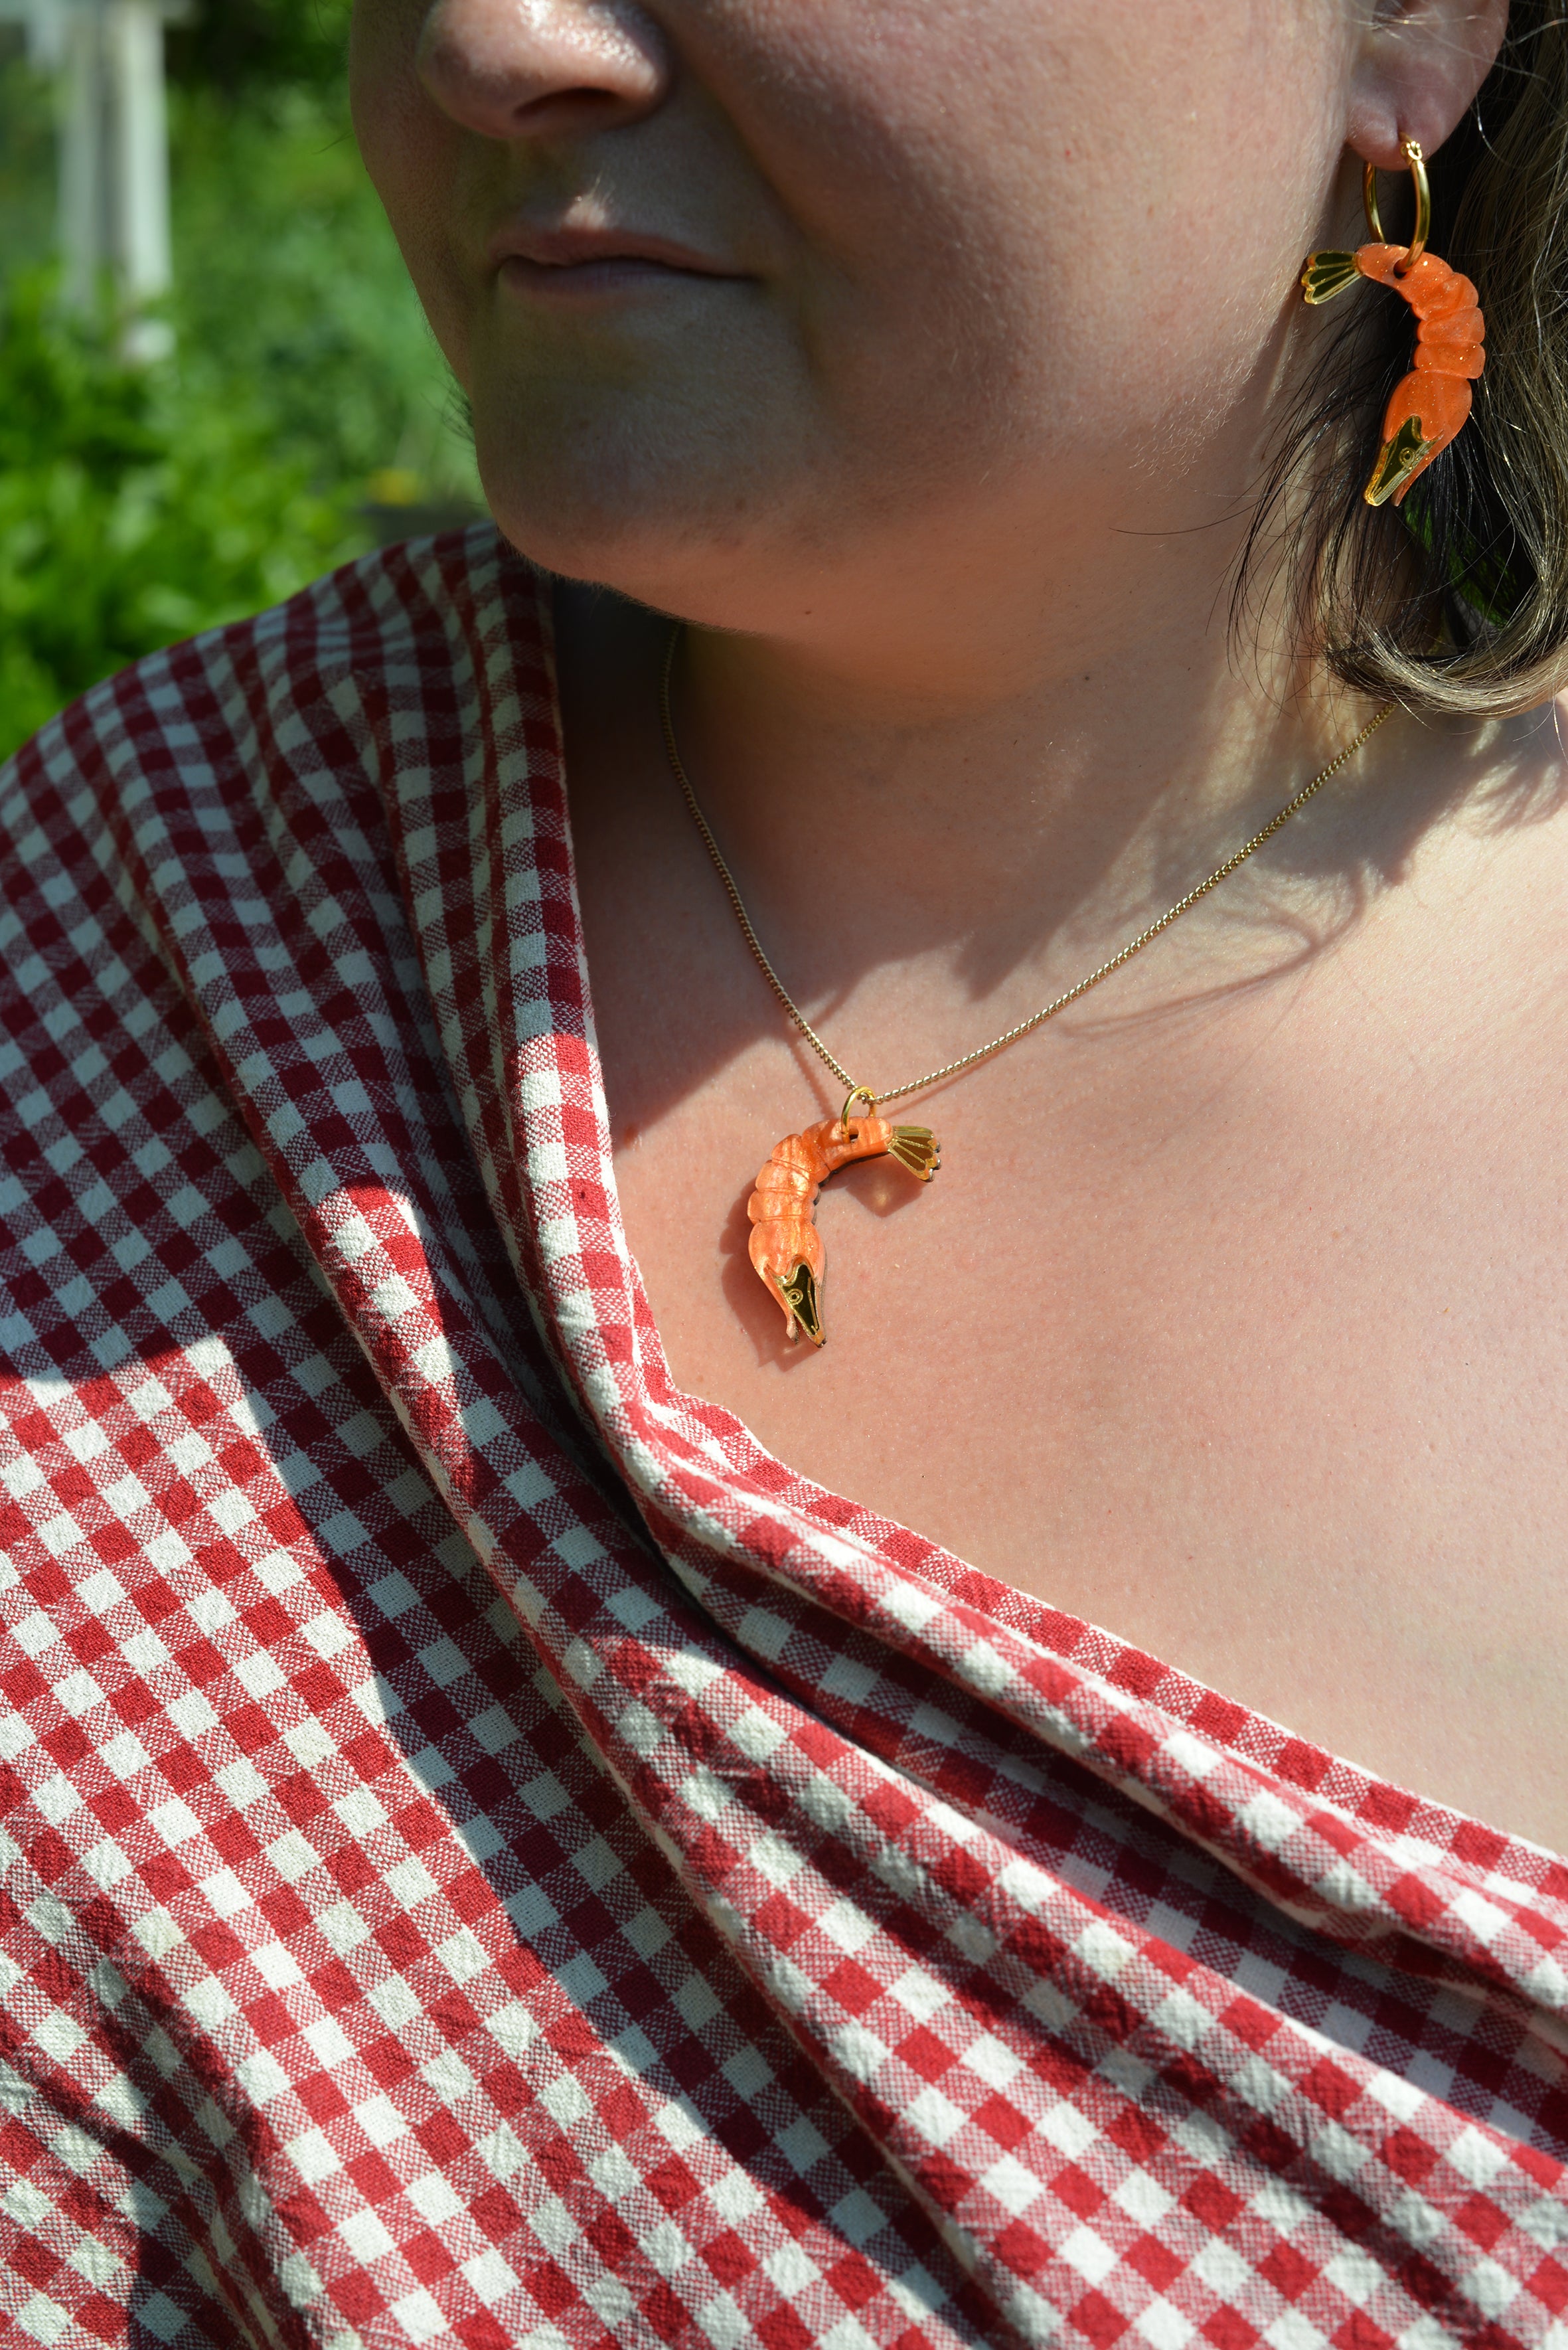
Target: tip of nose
[(542, 72)]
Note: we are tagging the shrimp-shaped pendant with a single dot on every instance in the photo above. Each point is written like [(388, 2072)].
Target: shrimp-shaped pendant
[(786, 1247), (1429, 405)]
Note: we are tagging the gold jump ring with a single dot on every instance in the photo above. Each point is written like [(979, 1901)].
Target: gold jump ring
[(1411, 150)]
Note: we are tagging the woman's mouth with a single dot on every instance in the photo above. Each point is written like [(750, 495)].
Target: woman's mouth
[(577, 263)]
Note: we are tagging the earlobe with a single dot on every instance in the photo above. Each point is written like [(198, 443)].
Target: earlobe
[(1420, 66)]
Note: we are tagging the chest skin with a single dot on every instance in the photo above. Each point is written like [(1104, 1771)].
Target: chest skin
[(1236, 1320)]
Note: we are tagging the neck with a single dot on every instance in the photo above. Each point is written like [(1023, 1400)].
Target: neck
[(995, 770)]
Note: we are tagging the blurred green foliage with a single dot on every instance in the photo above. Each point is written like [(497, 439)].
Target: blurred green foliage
[(138, 505), (131, 514), (242, 48), (290, 288), (26, 158)]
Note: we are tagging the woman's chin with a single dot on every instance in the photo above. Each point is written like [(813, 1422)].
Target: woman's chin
[(700, 580), (684, 535)]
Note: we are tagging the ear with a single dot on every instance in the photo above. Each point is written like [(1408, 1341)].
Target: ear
[(1421, 64)]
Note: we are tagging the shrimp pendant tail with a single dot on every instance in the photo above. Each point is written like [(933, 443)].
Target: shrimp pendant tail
[(1328, 274), (786, 1247), (915, 1147)]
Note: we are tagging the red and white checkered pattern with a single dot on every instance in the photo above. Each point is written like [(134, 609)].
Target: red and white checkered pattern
[(491, 1858)]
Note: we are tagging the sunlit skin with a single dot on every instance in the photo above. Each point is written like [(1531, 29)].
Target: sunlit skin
[(920, 353)]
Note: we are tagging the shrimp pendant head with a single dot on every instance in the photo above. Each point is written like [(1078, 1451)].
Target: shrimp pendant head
[(786, 1247), (1429, 406)]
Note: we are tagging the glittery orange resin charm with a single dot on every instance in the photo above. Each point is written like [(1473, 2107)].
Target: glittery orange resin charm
[(1429, 406), (786, 1247)]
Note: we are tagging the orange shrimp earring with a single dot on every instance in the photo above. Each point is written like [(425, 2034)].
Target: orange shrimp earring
[(1430, 405)]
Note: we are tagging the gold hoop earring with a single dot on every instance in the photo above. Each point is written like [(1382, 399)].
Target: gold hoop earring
[(1429, 406), (1411, 150)]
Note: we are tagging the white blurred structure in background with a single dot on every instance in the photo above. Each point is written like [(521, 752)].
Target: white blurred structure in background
[(108, 57)]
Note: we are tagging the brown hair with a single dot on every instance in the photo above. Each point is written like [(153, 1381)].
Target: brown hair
[(1457, 603)]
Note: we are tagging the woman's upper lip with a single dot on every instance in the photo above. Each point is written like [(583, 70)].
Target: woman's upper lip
[(567, 248)]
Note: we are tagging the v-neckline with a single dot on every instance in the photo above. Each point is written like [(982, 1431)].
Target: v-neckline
[(703, 1479)]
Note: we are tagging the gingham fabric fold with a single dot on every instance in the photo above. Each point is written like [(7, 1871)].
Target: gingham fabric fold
[(491, 1858)]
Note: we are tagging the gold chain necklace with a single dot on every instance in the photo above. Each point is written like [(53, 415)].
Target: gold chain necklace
[(786, 1248)]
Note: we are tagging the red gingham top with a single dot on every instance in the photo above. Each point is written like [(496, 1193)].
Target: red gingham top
[(491, 1858)]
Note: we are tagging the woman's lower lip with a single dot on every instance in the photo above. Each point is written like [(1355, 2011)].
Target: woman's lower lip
[(615, 274)]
